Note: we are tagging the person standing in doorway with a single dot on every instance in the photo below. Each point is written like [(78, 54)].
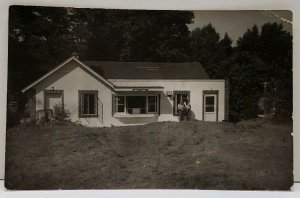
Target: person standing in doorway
[(188, 107), (181, 110)]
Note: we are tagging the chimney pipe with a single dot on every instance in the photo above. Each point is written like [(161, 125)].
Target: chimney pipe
[(75, 55)]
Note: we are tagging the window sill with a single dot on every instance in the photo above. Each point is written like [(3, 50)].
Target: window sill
[(148, 115), (88, 116)]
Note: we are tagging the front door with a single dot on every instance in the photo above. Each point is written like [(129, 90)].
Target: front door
[(53, 98), (210, 107)]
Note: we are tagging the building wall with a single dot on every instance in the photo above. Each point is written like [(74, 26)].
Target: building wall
[(73, 77), (196, 88)]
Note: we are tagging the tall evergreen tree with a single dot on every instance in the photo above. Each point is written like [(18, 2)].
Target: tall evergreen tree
[(250, 41), (277, 54), (204, 44), (272, 48), (223, 55)]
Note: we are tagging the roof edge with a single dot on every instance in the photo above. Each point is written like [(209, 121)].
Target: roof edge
[(60, 66), (150, 62), (46, 75), (171, 80)]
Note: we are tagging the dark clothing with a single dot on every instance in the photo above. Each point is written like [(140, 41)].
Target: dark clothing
[(181, 114), (188, 111), (184, 111)]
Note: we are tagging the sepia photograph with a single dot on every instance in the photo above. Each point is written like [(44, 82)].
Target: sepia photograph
[(149, 99)]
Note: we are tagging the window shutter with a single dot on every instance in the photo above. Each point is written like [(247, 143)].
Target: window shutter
[(96, 102), (158, 104), (79, 103), (227, 87), (113, 104), (174, 102)]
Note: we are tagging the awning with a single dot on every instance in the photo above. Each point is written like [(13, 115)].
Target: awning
[(141, 88)]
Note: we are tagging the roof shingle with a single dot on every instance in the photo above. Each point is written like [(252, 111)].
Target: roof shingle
[(148, 70)]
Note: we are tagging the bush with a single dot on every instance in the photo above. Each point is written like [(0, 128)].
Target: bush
[(12, 119), (60, 113), (12, 113), (234, 116)]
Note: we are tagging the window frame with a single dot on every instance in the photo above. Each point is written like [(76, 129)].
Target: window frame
[(146, 106), (209, 92), (175, 101), (117, 104), (155, 103), (210, 105), (80, 100)]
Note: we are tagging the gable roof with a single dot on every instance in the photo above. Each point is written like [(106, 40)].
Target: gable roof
[(133, 70), (148, 70), (63, 64)]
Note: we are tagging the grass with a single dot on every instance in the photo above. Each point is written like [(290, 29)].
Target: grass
[(188, 155)]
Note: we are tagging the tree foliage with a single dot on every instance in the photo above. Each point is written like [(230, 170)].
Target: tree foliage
[(259, 56), (272, 46)]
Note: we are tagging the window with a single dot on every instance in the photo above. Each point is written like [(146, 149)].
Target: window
[(88, 101), (210, 104), (183, 97), (152, 104), (135, 104), (178, 96), (120, 104)]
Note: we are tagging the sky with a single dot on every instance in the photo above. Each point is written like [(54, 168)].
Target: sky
[(236, 23)]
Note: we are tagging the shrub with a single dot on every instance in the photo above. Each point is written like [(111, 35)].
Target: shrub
[(234, 116), (60, 113)]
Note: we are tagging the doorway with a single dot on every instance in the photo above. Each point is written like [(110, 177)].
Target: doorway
[(210, 107), (53, 98)]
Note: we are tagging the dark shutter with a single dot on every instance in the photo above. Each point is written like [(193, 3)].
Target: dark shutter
[(79, 104), (158, 104), (96, 102), (174, 103), (113, 104), (227, 86)]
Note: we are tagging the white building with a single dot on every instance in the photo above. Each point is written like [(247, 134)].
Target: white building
[(104, 93)]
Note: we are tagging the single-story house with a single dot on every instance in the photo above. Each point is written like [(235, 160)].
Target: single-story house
[(106, 93)]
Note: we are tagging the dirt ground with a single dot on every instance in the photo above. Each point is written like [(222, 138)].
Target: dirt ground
[(188, 155)]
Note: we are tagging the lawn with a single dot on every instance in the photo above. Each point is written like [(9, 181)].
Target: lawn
[(188, 155)]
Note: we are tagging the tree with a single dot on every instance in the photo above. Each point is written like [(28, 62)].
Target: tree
[(245, 87), (39, 37), (204, 44), (277, 54), (223, 54), (270, 51), (225, 46), (250, 41), (208, 49), (141, 35)]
